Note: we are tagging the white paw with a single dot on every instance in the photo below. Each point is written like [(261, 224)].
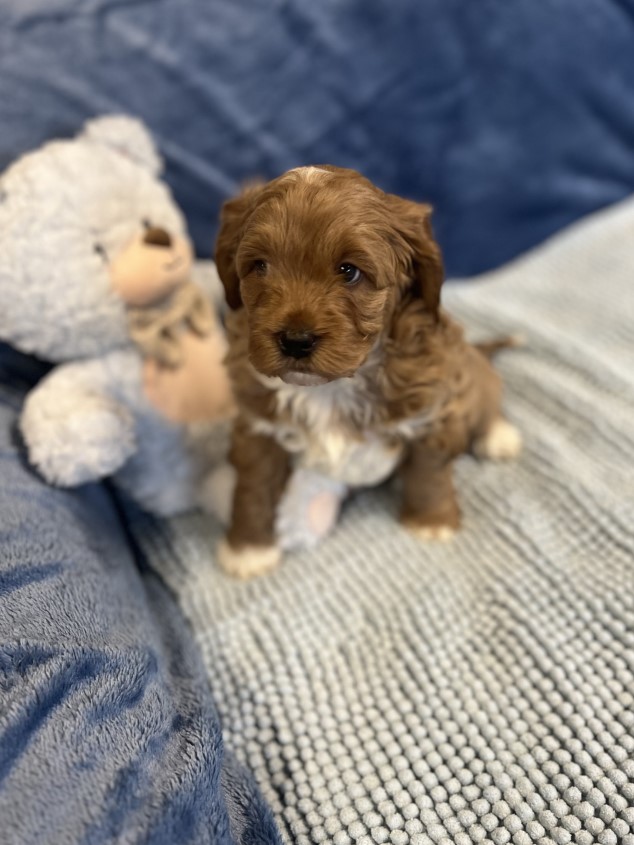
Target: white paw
[(248, 561), (435, 533), (502, 441), (71, 443)]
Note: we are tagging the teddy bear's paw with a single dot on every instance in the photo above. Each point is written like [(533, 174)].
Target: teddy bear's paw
[(73, 440), (248, 561), (309, 510)]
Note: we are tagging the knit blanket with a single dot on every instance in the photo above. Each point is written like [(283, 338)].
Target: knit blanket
[(383, 690)]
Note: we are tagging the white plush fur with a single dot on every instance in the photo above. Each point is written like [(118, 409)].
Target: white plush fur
[(126, 136), (58, 204), (89, 418), (75, 429)]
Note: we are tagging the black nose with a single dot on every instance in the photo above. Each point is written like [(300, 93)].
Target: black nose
[(157, 237), (297, 344)]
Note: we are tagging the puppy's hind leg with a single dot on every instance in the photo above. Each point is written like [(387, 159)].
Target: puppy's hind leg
[(500, 441), (494, 436)]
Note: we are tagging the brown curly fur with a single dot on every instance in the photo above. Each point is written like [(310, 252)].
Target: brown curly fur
[(414, 380)]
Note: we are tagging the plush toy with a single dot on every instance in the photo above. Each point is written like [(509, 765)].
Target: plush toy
[(95, 275)]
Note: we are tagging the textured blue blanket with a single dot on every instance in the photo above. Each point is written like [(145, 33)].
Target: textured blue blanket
[(513, 119), (107, 728)]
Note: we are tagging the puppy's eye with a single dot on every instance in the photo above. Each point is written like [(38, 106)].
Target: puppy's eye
[(101, 251), (260, 267), (350, 273), (147, 224)]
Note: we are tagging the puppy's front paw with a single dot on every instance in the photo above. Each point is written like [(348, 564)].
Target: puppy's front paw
[(501, 442), (438, 526), (435, 533), (248, 561)]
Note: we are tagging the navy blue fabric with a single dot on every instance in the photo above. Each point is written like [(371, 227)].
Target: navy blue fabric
[(107, 728), (513, 118)]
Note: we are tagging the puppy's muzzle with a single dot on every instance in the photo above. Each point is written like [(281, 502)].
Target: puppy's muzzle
[(297, 344)]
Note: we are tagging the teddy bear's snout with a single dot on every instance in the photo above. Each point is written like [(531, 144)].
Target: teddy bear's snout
[(143, 274), (155, 236)]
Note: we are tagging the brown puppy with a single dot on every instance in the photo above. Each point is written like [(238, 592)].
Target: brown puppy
[(340, 357)]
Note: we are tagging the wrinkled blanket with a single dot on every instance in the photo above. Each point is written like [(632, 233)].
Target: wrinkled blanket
[(512, 118), (387, 691), (108, 732)]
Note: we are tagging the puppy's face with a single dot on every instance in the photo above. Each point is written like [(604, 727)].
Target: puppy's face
[(319, 258)]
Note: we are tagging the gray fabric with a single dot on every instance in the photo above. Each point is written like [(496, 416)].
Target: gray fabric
[(382, 690)]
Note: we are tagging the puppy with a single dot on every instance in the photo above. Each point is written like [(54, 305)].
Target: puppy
[(342, 361)]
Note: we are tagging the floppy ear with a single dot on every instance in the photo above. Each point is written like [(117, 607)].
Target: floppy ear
[(233, 216), (413, 224)]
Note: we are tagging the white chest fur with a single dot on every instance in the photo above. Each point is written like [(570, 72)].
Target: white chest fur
[(328, 430)]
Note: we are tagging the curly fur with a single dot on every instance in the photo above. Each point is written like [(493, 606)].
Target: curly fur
[(391, 372)]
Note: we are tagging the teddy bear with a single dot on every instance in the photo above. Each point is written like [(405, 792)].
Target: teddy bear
[(96, 277)]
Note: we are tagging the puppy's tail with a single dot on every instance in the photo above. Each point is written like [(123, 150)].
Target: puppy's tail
[(490, 348)]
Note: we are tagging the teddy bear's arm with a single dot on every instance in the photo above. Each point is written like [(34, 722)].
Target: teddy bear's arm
[(74, 429), (308, 509)]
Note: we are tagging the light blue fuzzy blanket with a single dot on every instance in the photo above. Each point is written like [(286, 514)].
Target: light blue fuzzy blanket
[(482, 691), (108, 732)]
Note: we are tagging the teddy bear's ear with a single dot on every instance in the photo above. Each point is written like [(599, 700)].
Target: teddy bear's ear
[(126, 135)]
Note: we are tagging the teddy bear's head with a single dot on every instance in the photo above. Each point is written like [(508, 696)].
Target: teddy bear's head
[(87, 228)]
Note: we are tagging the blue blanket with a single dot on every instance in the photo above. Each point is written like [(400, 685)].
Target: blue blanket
[(108, 732), (512, 118)]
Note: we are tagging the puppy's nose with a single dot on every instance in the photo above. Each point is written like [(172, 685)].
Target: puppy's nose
[(297, 344), (155, 236)]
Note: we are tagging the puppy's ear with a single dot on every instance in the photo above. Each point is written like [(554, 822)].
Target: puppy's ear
[(412, 222), (233, 216)]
